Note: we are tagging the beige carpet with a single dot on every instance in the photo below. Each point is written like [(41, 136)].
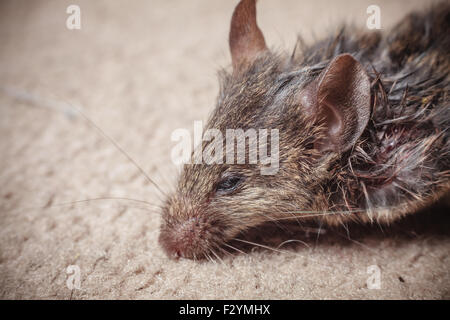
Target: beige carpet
[(139, 70)]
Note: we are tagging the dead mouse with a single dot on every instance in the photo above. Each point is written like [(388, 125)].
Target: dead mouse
[(363, 121)]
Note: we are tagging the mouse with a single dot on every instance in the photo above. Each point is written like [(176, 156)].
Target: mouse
[(362, 119)]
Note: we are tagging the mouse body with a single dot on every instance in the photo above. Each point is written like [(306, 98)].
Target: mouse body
[(363, 122)]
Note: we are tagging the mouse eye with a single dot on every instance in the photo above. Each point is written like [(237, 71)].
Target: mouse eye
[(228, 184)]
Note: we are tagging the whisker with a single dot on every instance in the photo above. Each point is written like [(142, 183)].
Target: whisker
[(89, 200), (217, 256), (260, 245), (293, 240), (234, 248), (280, 251), (274, 221), (296, 218), (310, 214), (32, 98), (210, 259), (317, 214), (359, 243), (118, 147), (225, 251)]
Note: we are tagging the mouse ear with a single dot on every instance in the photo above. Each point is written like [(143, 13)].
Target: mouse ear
[(246, 39), (340, 98)]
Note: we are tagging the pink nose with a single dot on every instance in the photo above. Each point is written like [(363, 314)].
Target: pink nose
[(184, 239)]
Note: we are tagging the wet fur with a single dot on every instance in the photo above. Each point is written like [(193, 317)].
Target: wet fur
[(399, 165)]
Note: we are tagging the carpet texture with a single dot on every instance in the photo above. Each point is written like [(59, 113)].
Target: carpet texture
[(139, 70)]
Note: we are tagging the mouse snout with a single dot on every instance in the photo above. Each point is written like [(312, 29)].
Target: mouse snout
[(185, 239)]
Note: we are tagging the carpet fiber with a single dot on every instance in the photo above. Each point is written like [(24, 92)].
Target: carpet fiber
[(139, 70)]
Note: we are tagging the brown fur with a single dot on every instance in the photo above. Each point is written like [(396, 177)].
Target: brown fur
[(399, 164)]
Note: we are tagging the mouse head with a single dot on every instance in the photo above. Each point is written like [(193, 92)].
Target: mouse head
[(318, 114)]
